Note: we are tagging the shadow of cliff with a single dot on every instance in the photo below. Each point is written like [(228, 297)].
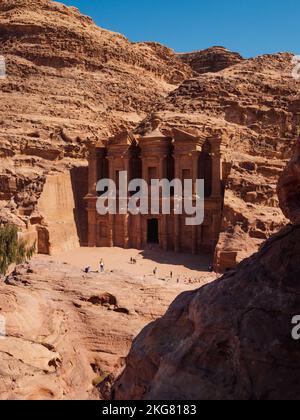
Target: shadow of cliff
[(199, 262), (79, 179)]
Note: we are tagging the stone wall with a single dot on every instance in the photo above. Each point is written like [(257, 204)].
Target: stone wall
[(57, 205)]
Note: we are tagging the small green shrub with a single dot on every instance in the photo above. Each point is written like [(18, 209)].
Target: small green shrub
[(12, 250)]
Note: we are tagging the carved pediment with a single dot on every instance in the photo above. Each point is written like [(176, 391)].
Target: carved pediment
[(124, 138), (180, 135), (183, 137)]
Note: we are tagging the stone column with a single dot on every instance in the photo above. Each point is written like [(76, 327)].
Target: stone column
[(195, 170), (92, 171), (92, 227), (216, 175), (162, 168), (111, 173), (177, 246), (127, 167), (126, 216), (139, 231), (144, 169), (126, 231), (165, 232), (176, 216), (177, 167), (111, 217)]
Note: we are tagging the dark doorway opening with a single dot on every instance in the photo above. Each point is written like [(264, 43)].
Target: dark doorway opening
[(152, 231)]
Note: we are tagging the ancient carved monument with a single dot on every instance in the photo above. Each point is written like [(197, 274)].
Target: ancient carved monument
[(155, 155)]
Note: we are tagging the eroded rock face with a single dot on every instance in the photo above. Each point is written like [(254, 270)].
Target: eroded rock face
[(69, 83), (289, 188), (66, 332), (229, 340), (211, 60), (254, 107)]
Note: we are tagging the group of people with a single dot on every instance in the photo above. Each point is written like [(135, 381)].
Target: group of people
[(87, 270)]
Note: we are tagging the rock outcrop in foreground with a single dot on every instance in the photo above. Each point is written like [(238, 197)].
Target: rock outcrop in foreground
[(65, 332), (230, 339)]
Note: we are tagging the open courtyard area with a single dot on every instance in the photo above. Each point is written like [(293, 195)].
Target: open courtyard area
[(168, 266)]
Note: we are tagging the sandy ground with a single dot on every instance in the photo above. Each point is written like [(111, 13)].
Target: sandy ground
[(183, 266)]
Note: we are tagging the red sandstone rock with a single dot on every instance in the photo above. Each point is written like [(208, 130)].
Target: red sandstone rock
[(288, 188), (71, 84), (211, 60), (253, 107), (66, 332), (231, 339)]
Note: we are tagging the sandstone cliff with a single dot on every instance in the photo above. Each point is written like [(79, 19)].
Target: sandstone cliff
[(254, 107), (232, 339), (211, 60), (69, 83)]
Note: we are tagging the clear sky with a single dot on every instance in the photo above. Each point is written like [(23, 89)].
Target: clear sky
[(251, 27)]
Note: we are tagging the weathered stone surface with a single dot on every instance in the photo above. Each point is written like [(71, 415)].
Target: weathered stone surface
[(289, 188), (69, 83), (229, 340), (211, 60), (253, 106), (66, 332)]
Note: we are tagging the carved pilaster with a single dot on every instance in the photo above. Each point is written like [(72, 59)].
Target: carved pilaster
[(195, 170), (177, 233), (92, 227), (216, 174), (92, 170)]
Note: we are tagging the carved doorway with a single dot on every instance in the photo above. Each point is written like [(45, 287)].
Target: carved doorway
[(152, 231)]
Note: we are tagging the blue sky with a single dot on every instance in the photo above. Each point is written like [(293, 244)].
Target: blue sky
[(251, 27)]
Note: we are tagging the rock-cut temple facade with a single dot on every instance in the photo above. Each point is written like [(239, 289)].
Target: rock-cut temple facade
[(157, 156)]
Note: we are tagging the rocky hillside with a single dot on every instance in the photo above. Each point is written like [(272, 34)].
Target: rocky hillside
[(66, 333), (71, 80), (232, 339), (211, 60), (68, 83), (254, 107)]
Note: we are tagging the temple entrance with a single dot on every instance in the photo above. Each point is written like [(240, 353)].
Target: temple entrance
[(152, 231)]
